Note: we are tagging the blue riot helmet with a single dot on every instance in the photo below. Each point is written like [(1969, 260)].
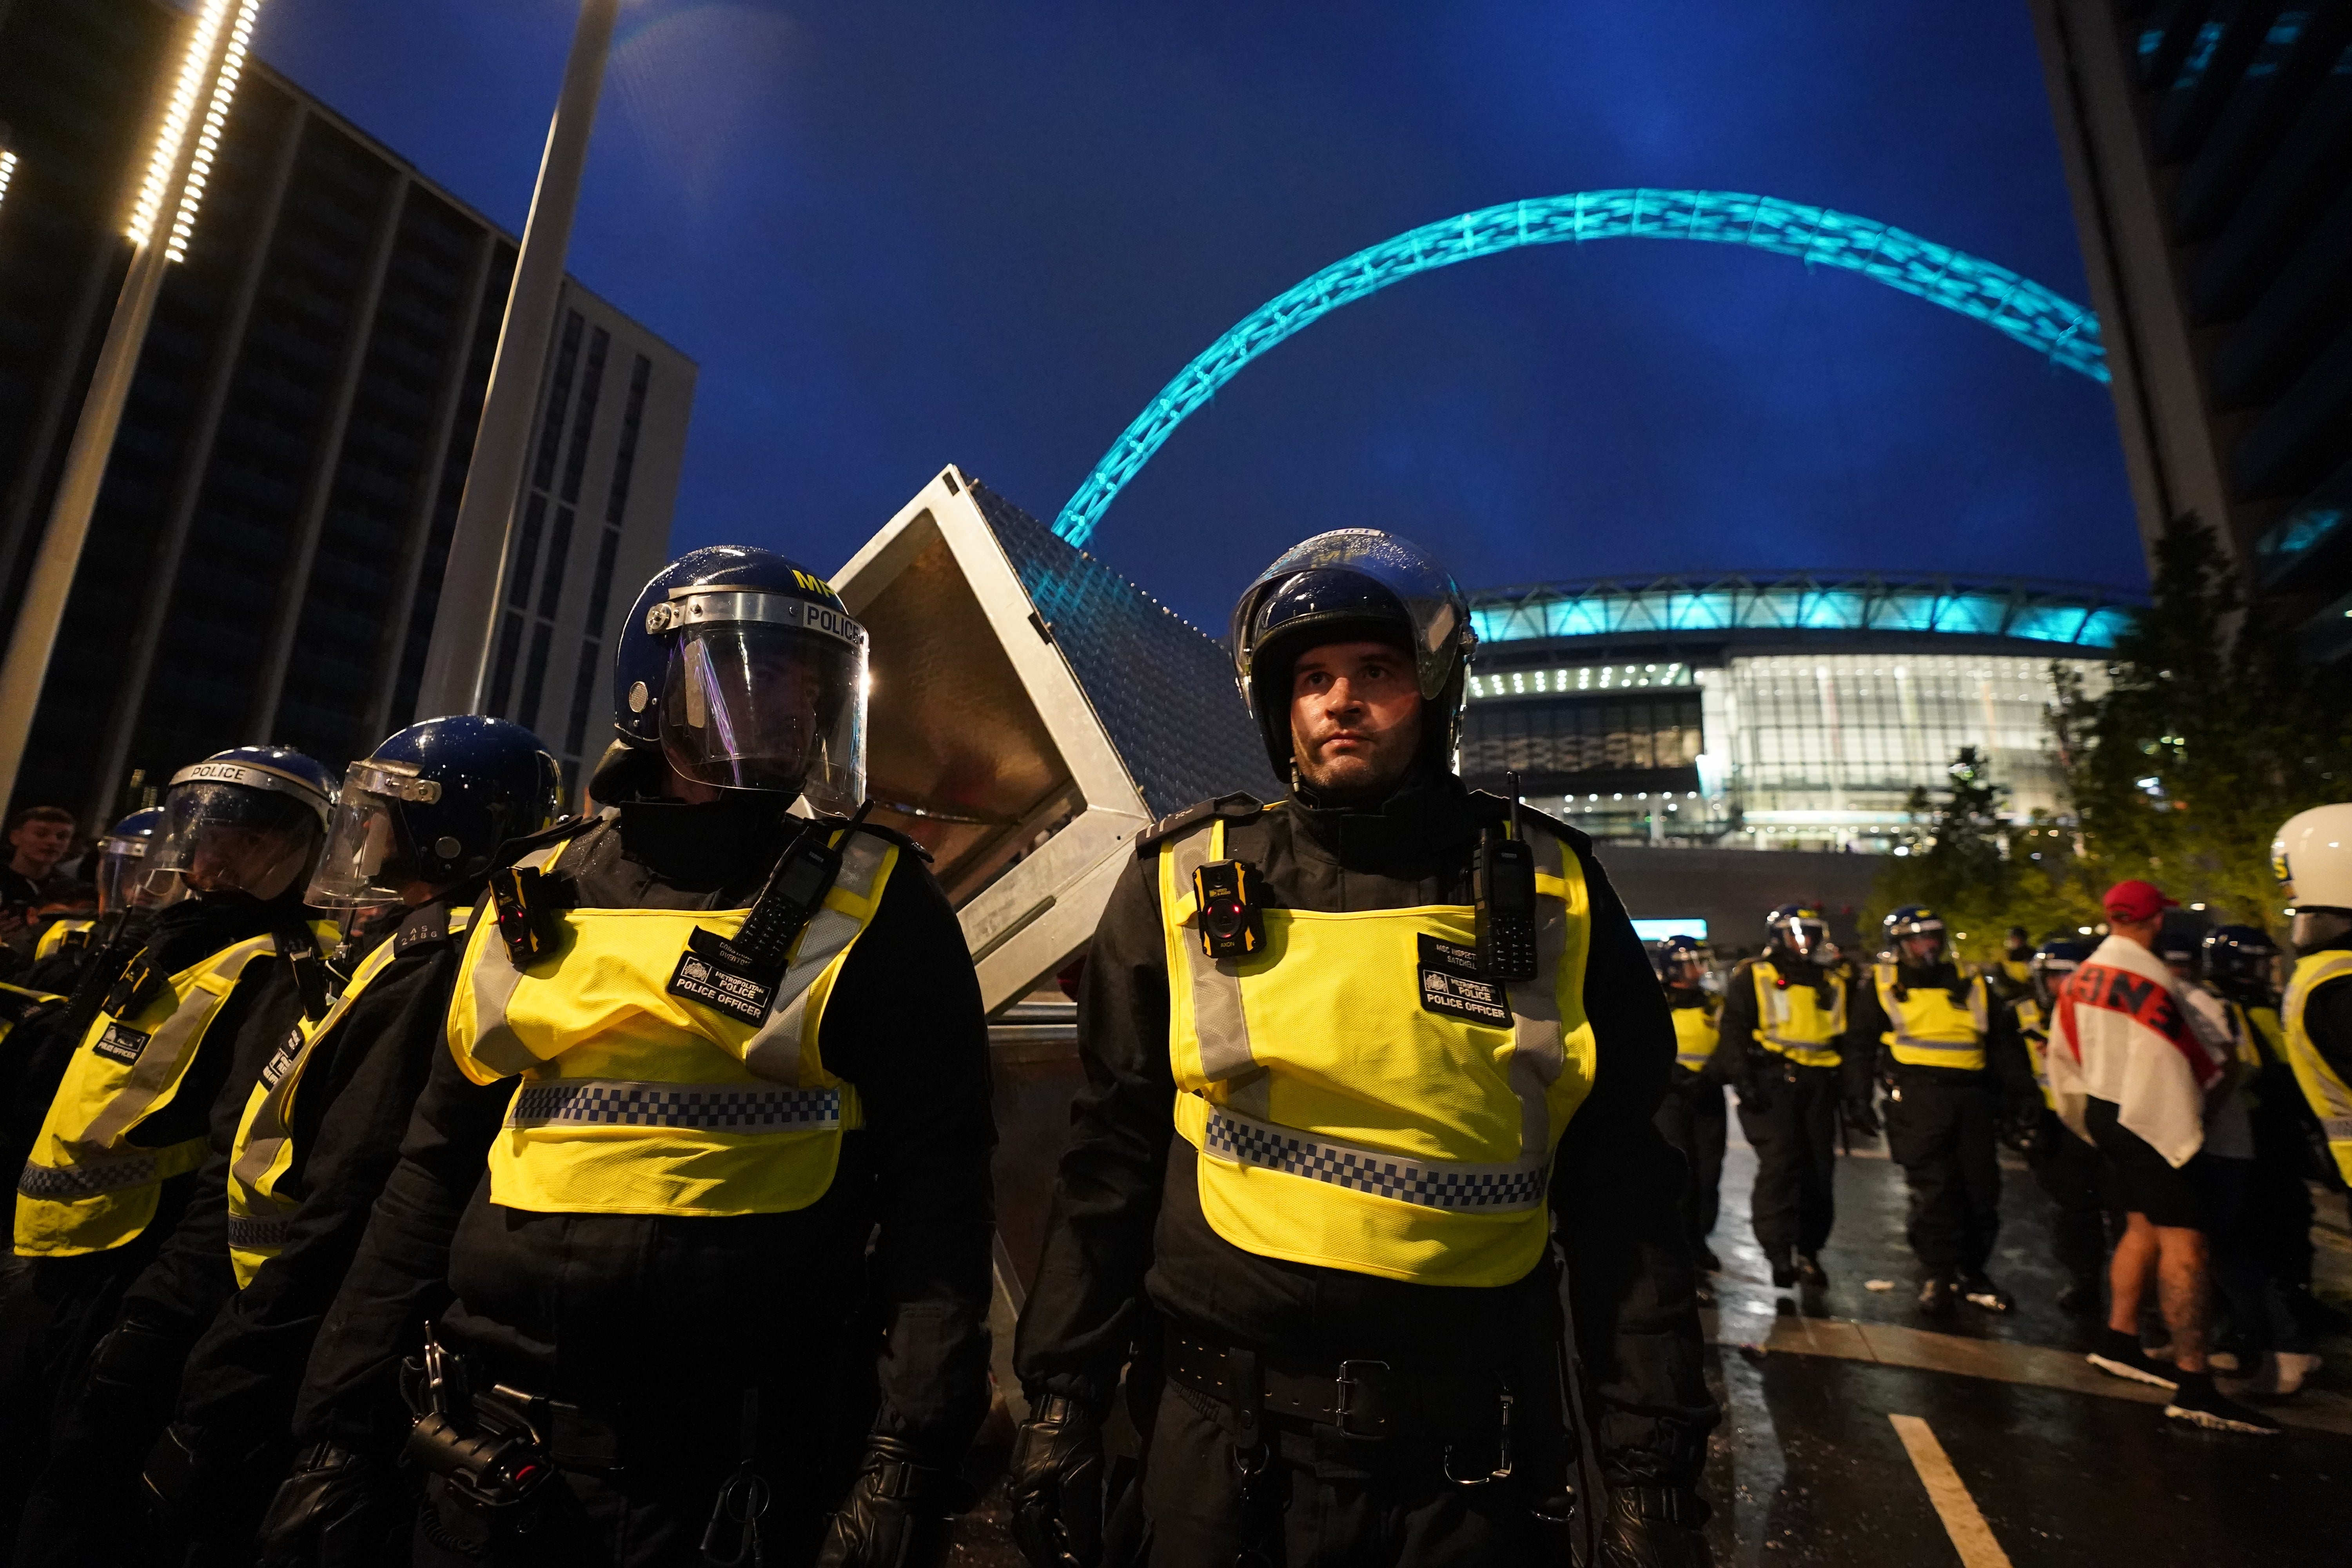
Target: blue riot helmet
[(745, 672), (1679, 960), (1914, 935), (1797, 931), (2241, 963), (247, 820), (1348, 586), (121, 861), (2051, 963), (430, 807)]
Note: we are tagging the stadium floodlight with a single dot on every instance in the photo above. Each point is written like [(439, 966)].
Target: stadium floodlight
[(178, 167), (7, 171)]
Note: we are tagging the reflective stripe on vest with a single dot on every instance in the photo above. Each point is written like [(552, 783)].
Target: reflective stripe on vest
[(2322, 1085), (2035, 1032), (259, 1215), (54, 937), (87, 1188), (1696, 1034), (1360, 1104), (1928, 1029), (634, 1100), (1792, 1021)]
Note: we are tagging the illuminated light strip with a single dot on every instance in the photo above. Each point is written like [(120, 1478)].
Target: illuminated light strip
[(7, 171), (165, 159), (2047, 323), (200, 167)]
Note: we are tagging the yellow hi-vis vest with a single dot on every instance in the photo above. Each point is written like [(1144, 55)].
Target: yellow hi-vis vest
[(1360, 1099), (1928, 1029), (2329, 1095), (1792, 1021), (260, 1210), (2034, 1030), (634, 1100), (88, 1187), (1697, 1033), (56, 937), (17, 1003), (2260, 1038)]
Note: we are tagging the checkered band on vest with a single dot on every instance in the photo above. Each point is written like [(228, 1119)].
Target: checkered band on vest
[(719, 1107), (255, 1233), (1368, 1171), (63, 1184)]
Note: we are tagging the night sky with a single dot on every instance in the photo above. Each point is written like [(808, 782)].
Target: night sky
[(895, 235)]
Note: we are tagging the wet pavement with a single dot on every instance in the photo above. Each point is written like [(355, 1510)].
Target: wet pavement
[(1858, 1433)]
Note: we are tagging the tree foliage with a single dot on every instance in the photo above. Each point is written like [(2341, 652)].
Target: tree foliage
[(2210, 732)]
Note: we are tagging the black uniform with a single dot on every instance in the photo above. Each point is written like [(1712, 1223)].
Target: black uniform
[(1130, 1262), (1943, 1127), (2068, 1169), (1692, 1118), (84, 1407), (1790, 1113), (665, 1332)]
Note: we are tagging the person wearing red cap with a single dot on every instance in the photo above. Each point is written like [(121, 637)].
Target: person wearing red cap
[(2134, 1066)]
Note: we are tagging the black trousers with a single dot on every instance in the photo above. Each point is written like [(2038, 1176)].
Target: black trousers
[(1324, 1501), (1692, 1118), (2068, 1170), (1942, 1130), (1795, 1136)]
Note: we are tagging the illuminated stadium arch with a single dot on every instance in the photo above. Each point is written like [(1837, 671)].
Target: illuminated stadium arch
[(2066, 333)]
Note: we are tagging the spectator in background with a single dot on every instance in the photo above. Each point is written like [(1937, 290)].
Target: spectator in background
[(2133, 1068), (38, 837)]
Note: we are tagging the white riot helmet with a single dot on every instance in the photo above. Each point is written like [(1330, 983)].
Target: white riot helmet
[(2313, 858)]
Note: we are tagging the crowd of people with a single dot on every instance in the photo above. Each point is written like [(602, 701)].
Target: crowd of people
[(411, 1172), (2176, 1110)]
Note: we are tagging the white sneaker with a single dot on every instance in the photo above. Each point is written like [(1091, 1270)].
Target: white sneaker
[(2285, 1370)]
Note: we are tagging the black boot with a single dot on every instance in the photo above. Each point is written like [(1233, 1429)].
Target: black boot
[(1938, 1295), (1810, 1273)]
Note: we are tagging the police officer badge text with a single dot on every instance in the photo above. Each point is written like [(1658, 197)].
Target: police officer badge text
[(704, 974), (1451, 983)]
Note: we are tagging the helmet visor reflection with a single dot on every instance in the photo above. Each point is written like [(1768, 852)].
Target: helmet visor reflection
[(363, 864), (224, 839), (767, 707)]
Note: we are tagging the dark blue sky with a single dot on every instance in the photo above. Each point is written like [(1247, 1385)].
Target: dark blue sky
[(899, 234)]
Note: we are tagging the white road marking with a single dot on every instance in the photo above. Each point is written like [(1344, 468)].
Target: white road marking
[(1971, 1537)]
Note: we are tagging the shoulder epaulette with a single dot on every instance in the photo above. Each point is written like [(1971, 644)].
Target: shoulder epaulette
[(895, 836), (1237, 805), (426, 924)]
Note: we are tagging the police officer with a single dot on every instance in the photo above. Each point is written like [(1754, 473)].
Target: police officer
[(1691, 1116), (1398, 1027), (1927, 1023), (2011, 978), (2065, 1166), (243, 1282), (748, 1043), (2313, 856), (1784, 1014), (113, 1167), (68, 947)]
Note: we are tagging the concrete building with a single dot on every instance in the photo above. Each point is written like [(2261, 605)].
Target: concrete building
[(2209, 147), (1770, 712), (265, 557)]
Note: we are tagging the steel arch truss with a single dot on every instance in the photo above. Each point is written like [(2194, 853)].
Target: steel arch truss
[(2066, 333)]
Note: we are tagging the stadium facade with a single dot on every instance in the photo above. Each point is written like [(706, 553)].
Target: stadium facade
[(1772, 713)]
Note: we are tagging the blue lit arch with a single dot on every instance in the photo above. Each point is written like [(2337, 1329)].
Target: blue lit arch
[(2048, 324)]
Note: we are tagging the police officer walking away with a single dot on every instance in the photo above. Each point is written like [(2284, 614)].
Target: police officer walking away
[(1400, 1026), (706, 1051), (1943, 1105), (1691, 1115), (1784, 1014), (2313, 855)]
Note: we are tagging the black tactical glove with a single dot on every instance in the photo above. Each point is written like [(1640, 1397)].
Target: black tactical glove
[(1862, 1116), (1054, 1483), (1654, 1527), (898, 1513), (337, 1510), (1754, 1077)]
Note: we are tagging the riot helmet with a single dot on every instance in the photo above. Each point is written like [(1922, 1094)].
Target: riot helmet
[(2240, 963), (2052, 961), (430, 807), (1914, 936), (247, 820), (2313, 858), (745, 672), (2177, 944), (1680, 961), (1353, 585), (1800, 932), (121, 861)]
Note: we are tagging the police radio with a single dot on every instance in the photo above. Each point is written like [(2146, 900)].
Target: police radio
[(1505, 888)]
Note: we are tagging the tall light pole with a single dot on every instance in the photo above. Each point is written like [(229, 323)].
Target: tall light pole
[(458, 658), (161, 224)]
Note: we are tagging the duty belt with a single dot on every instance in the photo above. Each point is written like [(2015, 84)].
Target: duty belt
[(1365, 1399)]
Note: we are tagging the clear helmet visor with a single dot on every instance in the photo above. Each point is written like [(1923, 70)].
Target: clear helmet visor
[(227, 838), (1921, 949), (363, 864), (756, 705), (122, 880), (1806, 939)]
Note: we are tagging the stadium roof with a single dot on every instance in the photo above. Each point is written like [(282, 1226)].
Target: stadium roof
[(2017, 609)]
